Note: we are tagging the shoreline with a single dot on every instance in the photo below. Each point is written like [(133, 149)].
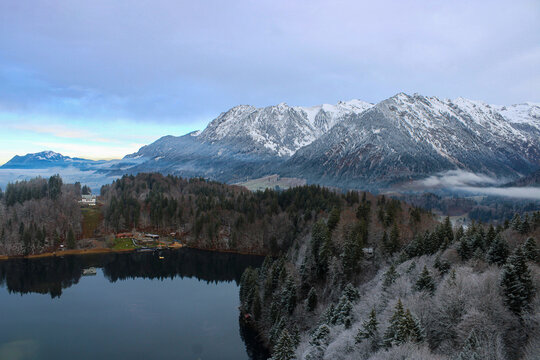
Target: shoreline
[(108, 250)]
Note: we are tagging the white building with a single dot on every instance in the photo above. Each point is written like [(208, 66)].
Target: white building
[(88, 200)]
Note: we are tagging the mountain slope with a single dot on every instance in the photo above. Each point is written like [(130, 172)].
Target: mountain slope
[(244, 142), (409, 137)]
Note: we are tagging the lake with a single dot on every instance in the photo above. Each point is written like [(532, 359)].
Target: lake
[(137, 306)]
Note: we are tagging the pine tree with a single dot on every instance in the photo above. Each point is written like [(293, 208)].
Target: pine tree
[(311, 301), (351, 293), (342, 314), (257, 307), (516, 222), (369, 328), (465, 248), (447, 231), (333, 218), (393, 243), (320, 335), (284, 349), (459, 233), (489, 237), (324, 257), (385, 242), (71, 239), (530, 249), (425, 282), (389, 277), (469, 348), (403, 327), (392, 331), (516, 282), (442, 266), (288, 295), (413, 330), (319, 342), (328, 315), (524, 227), (498, 251)]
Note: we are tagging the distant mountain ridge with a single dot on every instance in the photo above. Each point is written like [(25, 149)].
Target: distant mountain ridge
[(353, 144), (46, 159)]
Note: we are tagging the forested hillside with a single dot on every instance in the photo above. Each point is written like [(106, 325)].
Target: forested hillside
[(216, 216), (449, 293), (38, 215)]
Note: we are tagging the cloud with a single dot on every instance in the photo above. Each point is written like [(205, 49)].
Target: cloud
[(62, 131), (455, 179), (532, 193), (460, 180), (170, 61)]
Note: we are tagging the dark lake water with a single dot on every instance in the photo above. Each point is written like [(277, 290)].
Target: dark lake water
[(137, 306)]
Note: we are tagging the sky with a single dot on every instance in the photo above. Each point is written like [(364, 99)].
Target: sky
[(98, 79)]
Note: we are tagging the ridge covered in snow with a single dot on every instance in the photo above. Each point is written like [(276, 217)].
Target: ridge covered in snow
[(280, 129)]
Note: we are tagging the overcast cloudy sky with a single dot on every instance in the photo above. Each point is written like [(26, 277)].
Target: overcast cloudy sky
[(100, 78)]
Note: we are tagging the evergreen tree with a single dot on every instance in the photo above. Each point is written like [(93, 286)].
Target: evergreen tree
[(425, 282), (413, 330), (411, 267), (71, 239), (369, 329), (489, 237), (447, 231), (385, 242), (469, 349), (516, 283), (524, 227), (343, 312), (319, 341), (403, 327), (389, 277), (530, 249), (498, 251), (288, 295), (465, 248), (324, 257), (284, 348), (442, 266), (351, 293), (392, 332), (257, 307), (320, 335), (352, 253), (55, 186), (393, 243), (311, 301), (333, 218), (459, 233), (516, 222)]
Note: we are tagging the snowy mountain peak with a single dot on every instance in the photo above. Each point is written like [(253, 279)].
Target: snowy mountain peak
[(280, 129)]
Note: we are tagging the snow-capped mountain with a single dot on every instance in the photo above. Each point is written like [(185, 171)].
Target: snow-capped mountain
[(409, 137), (45, 159), (278, 130), (352, 144), (244, 141)]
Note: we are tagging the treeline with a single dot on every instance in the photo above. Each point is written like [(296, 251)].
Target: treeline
[(444, 293), (212, 215), (38, 215)]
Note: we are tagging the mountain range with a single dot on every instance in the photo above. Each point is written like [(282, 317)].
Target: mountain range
[(352, 144)]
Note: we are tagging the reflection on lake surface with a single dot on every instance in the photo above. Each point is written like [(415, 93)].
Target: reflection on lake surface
[(137, 306)]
